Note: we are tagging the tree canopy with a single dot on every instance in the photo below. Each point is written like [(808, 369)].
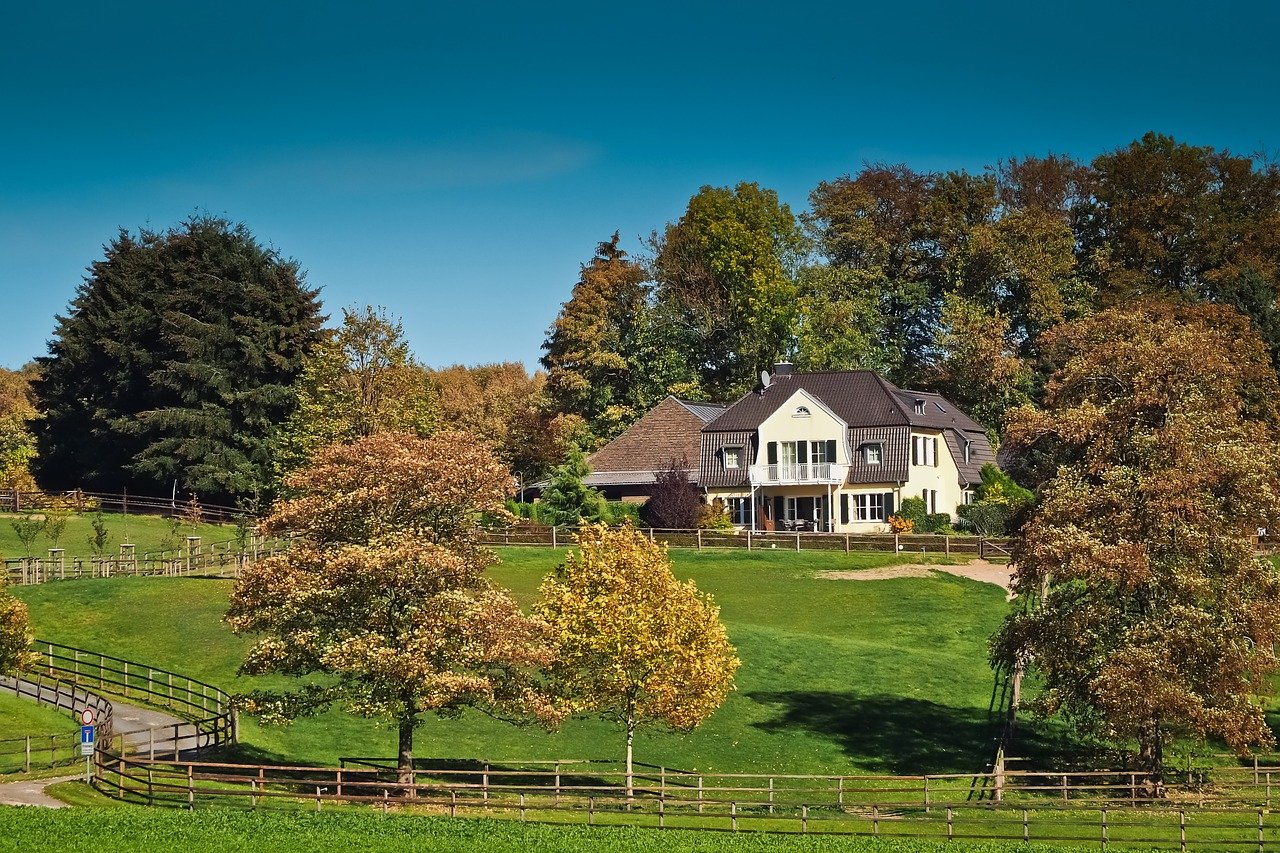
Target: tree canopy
[(383, 605), (1153, 616), (634, 644), (174, 363), (15, 633)]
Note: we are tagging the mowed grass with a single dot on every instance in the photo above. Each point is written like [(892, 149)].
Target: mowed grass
[(22, 717), (844, 676), (145, 532), (219, 830)]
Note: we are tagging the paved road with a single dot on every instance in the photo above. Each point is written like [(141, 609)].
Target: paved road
[(145, 730)]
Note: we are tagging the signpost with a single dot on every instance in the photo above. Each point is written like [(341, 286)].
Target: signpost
[(87, 744)]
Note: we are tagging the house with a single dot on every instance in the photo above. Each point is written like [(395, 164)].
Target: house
[(838, 451), (626, 468)]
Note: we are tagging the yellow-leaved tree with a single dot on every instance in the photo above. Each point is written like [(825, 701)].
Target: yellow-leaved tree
[(635, 645), (15, 632), (383, 606)]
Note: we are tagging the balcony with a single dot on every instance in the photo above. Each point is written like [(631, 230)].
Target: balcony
[(798, 473)]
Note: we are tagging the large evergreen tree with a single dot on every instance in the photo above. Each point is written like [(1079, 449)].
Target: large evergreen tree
[(174, 364)]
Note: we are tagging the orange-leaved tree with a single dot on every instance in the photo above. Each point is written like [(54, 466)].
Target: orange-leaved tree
[(1160, 444), (635, 645), (382, 605)]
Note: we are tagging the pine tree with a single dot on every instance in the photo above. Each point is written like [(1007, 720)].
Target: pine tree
[(174, 363)]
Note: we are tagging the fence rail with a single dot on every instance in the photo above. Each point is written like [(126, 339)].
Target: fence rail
[(226, 558), (927, 807), (914, 543), (78, 500), (36, 751)]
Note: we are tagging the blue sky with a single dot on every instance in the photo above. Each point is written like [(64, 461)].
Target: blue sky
[(457, 165)]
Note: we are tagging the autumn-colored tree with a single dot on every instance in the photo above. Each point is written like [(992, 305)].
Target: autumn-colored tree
[(359, 380), (1154, 617), (17, 442), (978, 363), (15, 633), (505, 406), (635, 645), (383, 605)]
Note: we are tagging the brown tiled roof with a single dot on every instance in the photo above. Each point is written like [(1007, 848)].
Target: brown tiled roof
[(713, 474), (895, 454), (671, 430), (858, 397)]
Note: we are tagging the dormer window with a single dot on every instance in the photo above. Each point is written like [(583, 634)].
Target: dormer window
[(801, 412), (871, 454), (919, 407), (733, 457)]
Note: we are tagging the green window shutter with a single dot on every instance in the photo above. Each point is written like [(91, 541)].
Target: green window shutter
[(844, 509), (802, 452), (777, 509), (772, 450), (888, 504), (915, 450), (831, 450), (935, 452)]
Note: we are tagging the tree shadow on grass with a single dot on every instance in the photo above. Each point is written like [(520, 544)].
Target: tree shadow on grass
[(897, 735)]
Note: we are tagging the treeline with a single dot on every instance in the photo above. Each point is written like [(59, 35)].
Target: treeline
[(939, 280), (196, 359)]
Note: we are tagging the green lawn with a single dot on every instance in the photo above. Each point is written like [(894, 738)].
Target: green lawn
[(147, 532), (837, 677), (216, 830), (23, 717)]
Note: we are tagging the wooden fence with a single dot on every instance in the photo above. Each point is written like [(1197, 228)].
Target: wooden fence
[(79, 500), (913, 543), (224, 559), (1098, 808), (57, 748)]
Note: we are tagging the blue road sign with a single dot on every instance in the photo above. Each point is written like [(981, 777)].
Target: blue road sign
[(86, 740)]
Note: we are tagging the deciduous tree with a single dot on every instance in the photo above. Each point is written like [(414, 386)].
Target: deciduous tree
[(383, 605), (15, 633), (676, 503), (1154, 617), (635, 645)]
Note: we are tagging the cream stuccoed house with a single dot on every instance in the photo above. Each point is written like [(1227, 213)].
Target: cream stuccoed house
[(836, 451)]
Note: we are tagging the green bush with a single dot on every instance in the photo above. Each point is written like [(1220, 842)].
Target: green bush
[(986, 518), (620, 512), (914, 509)]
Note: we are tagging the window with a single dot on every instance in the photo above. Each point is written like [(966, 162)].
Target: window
[(869, 507), (801, 412), (930, 500), (919, 407), (739, 511), (822, 451), (968, 450), (924, 450), (939, 405), (733, 457), (871, 454)]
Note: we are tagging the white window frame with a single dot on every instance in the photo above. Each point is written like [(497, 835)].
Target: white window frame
[(802, 412), (868, 506), (818, 453), (924, 451), (872, 454), (734, 454), (739, 510)]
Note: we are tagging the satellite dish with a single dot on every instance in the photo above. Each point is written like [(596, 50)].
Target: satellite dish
[(764, 379)]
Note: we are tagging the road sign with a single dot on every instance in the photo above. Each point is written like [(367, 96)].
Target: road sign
[(86, 717), (86, 740)]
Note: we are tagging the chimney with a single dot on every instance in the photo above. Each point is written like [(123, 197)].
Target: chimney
[(782, 368)]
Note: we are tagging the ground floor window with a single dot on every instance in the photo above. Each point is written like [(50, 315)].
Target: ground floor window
[(739, 511), (869, 507)]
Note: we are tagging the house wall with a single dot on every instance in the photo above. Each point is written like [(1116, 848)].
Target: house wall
[(820, 425), (944, 478)]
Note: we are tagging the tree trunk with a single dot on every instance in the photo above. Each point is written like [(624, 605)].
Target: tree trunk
[(405, 753), (1151, 756), (631, 734)]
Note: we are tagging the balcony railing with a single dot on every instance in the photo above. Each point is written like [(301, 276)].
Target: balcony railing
[(786, 473)]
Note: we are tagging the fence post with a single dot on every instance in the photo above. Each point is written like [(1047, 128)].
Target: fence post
[(591, 810), (1182, 830), (1260, 831), (840, 791), (699, 538), (797, 542), (846, 543), (1026, 828), (699, 795), (748, 538), (662, 813), (191, 787), (770, 795), (484, 782), (804, 818), (926, 795), (982, 548), (875, 819), (946, 544), (557, 797), (1104, 829), (950, 827), (26, 764), (733, 816), (896, 546)]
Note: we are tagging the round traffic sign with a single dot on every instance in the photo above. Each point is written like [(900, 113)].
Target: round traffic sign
[(86, 716)]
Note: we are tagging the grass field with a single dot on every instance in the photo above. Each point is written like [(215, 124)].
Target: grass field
[(23, 717), (146, 532), (218, 830), (838, 676)]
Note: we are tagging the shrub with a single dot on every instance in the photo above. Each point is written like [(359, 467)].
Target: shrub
[(620, 512), (987, 518), (676, 503), (898, 524), (714, 516), (914, 510)]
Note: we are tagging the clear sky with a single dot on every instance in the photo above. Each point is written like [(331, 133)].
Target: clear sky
[(458, 165)]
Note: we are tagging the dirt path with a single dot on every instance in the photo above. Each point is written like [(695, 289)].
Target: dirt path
[(984, 571), (30, 792)]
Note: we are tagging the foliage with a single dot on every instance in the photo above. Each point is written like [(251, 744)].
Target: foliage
[(100, 538), (714, 516), (621, 512), (505, 406), (986, 518), (55, 524), (913, 510), (17, 442), (978, 363), (999, 488), (608, 358), (384, 601), (360, 379), (634, 645), (676, 503), (568, 498), (900, 524), (27, 528), (727, 288), (174, 363), (15, 632), (1156, 618)]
